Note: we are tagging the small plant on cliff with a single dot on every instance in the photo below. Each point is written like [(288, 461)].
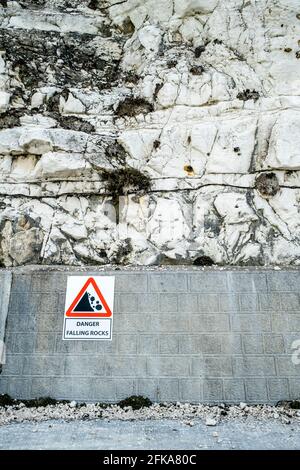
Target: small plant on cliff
[(125, 180)]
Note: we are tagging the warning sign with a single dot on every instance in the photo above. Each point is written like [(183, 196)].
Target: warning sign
[(89, 308)]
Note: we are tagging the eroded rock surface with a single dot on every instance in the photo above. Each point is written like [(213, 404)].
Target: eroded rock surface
[(149, 131)]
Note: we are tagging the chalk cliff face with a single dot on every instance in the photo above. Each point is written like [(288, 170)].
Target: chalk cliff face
[(149, 131)]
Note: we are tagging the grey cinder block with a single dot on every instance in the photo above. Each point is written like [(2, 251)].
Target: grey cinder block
[(234, 390), (286, 367), (127, 303), (273, 344), (188, 303), (148, 388), (168, 390), (256, 366), (278, 389), (168, 282), (209, 303), (148, 303), (84, 365), (251, 323), (294, 388), (148, 344), (169, 344), (256, 390), (208, 282), (217, 323), (168, 366), (128, 282), (127, 344), (169, 303), (213, 390), (284, 281), (125, 388), (191, 390), (212, 366), (126, 366), (253, 344), (230, 302), (246, 282)]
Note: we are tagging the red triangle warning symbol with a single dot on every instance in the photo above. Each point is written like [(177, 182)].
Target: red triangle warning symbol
[(89, 302)]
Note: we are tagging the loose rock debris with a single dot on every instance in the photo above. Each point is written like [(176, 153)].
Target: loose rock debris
[(210, 414)]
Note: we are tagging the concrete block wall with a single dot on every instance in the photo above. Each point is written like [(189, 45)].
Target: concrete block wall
[(179, 335)]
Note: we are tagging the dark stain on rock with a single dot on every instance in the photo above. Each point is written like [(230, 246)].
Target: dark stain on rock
[(127, 27), (52, 104), (121, 254), (25, 222), (106, 30), (297, 54), (3, 3), (75, 124), (11, 118), (18, 93), (267, 184), (203, 261), (133, 106), (212, 223), (32, 4), (171, 63), (131, 77), (72, 58), (248, 95), (158, 87), (156, 144), (197, 70), (93, 5), (61, 5), (51, 109), (189, 169), (116, 154), (199, 50)]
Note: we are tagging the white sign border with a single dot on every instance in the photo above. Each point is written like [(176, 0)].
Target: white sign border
[(87, 339), (79, 281)]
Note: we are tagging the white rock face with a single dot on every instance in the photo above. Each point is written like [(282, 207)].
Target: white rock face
[(150, 131)]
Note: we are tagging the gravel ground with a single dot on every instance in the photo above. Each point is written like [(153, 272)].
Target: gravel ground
[(211, 415), (240, 433), (167, 426)]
